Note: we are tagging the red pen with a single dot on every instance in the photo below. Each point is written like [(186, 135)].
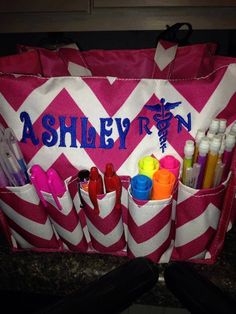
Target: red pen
[(95, 187), (113, 182)]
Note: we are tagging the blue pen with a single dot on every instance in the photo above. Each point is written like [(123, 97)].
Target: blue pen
[(141, 187)]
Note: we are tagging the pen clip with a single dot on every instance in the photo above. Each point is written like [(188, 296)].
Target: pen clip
[(56, 186), (38, 190)]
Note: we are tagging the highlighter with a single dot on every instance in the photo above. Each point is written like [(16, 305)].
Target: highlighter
[(163, 184), (170, 163), (141, 186), (148, 165), (188, 158), (211, 164), (202, 159)]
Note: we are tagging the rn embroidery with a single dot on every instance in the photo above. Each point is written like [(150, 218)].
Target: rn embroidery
[(64, 131), (163, 118)]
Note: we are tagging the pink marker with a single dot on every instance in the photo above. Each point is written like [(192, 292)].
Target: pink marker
[(170, 163), (40, 181), (56, 185)]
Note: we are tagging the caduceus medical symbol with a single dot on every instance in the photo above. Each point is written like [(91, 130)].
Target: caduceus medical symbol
[(163, 118)]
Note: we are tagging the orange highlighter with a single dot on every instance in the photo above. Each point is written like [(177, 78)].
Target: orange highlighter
[(163, 184)]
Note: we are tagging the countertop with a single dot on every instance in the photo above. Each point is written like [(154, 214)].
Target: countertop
[(63, 273)]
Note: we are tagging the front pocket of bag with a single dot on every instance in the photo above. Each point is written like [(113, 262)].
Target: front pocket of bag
[(28, 221), (150, 229), (106, 229), (66, 220), (197, 216)]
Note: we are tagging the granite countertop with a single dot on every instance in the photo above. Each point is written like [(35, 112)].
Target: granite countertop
[(63, 273)]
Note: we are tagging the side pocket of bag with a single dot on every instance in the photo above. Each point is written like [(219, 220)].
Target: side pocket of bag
[(198, 214), (106, 229), (66, 220), (27, 220), (150, 229)]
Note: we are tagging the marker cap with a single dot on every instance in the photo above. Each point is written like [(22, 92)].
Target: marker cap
[(204, 145), (163, 183), (141, 186), (189, 148), (233, 128), (214, 126), (170, 163), (200, 134), (222, 127), (229, 142), (148, 165)]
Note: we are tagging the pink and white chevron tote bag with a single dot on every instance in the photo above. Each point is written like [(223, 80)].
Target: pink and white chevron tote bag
[(74, 122)]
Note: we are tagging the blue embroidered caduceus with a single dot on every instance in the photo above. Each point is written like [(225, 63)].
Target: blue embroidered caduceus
[(163, 118)]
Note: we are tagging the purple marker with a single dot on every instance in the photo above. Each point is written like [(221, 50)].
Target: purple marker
[(202, 158)]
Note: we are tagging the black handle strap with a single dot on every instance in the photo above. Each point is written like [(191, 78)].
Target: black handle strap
[(173, 34)]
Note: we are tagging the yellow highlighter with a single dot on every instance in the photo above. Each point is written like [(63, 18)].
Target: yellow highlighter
[(148, 165), (211, 164)]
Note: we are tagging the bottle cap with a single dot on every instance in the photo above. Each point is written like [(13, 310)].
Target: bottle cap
[(163, 183), (189, 148), (204, 146), (200, 134), (148, 165), (222, 127), (170, 163), (141, 186), (214, 126)]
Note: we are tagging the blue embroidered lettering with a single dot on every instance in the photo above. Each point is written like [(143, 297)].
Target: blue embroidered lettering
[(88, 136), (122, 133), (143, 125), (49, 138), (28, 131), (104, 132), (67, 129), (181, 122)]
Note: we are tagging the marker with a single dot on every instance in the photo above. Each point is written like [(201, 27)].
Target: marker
[(148, 165), (201, 160), (170, 163), (199, 136), (218, 173), (113, 183), (195, 174), (188, 155), (163, 184), (211, 164), (40, 181), (15, 169), (141, 187), (56, 185), (228, 153), (95, 187)]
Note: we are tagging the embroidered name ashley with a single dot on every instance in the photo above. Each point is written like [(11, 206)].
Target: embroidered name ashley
[(68, 125)]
